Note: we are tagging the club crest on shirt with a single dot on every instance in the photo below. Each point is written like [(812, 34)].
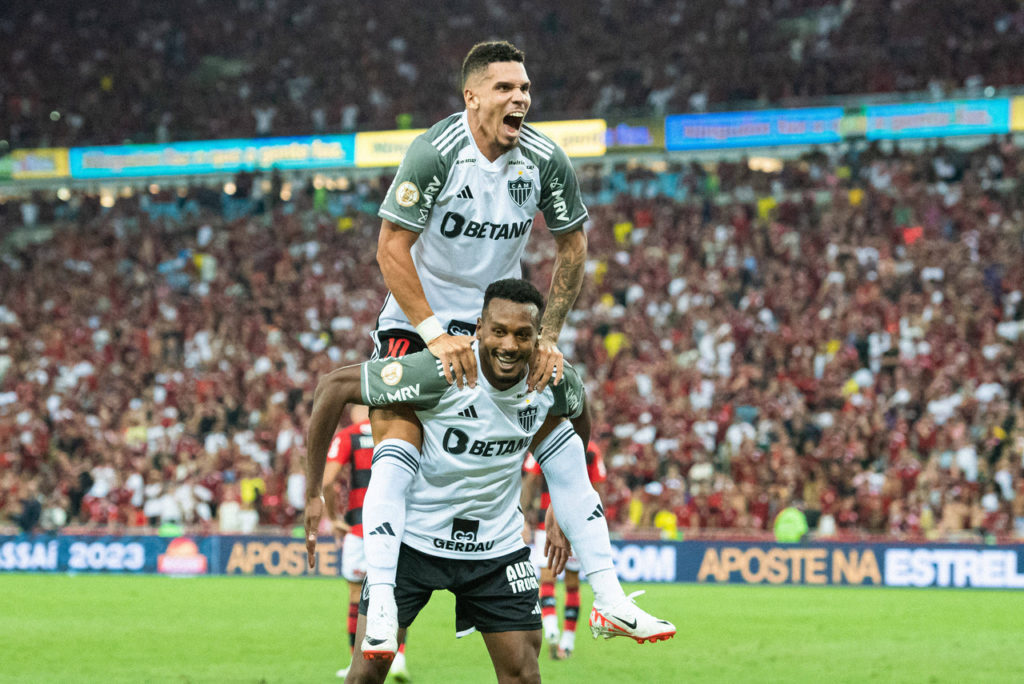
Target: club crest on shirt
[(391, 374), (407, 194), (520, 190), (527, 417)]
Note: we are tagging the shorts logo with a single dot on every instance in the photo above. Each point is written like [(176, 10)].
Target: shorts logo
[(461, 328), (521, 577), (391, 374), (527, 418), (407, 194), (520, 190), (465, 530)]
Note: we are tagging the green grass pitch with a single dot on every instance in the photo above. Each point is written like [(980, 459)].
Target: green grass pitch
[(92, 628)]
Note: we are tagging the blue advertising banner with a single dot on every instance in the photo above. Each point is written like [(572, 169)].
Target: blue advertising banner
[(938, 119), (833, 564), (753, 129), (212, 156)]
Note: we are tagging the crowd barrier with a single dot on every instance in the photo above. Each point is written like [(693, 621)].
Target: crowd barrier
[(704, 562)]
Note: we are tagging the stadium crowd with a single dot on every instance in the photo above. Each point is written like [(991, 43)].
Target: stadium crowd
[(87, 73), (842, 331)]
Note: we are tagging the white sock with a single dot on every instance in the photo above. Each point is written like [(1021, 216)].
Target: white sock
[(578, 509), (568, 641), (550, 623), (395, 463)]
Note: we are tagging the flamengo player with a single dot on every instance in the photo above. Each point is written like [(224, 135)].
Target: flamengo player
[(352, 446), (561, 648)]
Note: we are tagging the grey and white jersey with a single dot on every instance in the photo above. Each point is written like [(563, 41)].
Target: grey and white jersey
[(474, 216), (464, 501)]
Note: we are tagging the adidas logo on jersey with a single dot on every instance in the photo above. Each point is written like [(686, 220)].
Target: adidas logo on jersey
[(384, 528), (598, 513), (465, 193), (469, 412)]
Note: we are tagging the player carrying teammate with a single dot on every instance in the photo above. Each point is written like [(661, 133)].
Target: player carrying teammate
[(353, 447), (457, 217), (463, 528), (562, 645)]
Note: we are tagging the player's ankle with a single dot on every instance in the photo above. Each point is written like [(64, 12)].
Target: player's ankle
[(381, 594), (607, 590)]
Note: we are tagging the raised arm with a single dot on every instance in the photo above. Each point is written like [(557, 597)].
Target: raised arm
[(394, 256), (566, 281)]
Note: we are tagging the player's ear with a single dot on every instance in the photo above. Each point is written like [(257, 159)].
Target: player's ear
[(471, 98), (479, 325)]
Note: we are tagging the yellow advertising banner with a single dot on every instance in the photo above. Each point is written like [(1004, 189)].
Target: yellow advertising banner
[(383, 148), (584, 138), (1017, 113), (43, 162)]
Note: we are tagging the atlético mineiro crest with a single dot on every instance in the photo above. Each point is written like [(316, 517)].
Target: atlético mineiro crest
[(528, 418), (520, 190)]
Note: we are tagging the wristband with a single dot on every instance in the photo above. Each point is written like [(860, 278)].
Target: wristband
[(430, 329)]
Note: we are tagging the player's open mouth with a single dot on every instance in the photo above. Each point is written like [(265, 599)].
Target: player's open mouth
[(513, 122), (507, 364)]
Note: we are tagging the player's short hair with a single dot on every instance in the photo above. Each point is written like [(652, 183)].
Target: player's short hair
[(516, 290), (483, 54)]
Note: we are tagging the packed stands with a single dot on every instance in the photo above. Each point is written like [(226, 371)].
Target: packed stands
[(842, 330), (88, 73)]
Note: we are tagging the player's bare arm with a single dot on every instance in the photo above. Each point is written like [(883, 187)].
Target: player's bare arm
[(394, 256), (338, 525), (335, 390), (566, 281)]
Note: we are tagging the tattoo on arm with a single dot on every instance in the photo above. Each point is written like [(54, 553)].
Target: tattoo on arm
[(566, 281)]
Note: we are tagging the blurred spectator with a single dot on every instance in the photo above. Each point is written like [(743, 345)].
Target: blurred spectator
[(191, 69), (738, 352)]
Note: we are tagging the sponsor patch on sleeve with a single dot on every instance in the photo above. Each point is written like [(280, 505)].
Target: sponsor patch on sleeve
[(407, 194)]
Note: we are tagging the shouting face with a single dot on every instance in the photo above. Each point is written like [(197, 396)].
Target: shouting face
[(497, 99)]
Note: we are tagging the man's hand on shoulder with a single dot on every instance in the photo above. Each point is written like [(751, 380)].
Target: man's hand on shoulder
[(547, 361), (457, 358)]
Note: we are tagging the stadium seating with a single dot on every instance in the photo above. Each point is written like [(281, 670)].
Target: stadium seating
[(73, 75), (844, 331)]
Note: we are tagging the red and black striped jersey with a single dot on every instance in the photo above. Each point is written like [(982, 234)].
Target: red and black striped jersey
[(595, 470), (353, 445)]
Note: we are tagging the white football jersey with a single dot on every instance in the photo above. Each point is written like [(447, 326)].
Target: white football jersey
[(464, 501), (474, 216)]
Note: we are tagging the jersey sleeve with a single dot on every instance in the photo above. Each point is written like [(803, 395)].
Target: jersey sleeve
[(568, 394), (415, 380), (595, 464), (420, 177), (340, 448), (560, 199)]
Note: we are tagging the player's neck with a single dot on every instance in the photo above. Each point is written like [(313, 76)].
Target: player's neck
[(490, 149)]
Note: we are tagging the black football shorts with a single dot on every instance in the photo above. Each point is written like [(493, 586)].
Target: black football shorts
[(491, 595)]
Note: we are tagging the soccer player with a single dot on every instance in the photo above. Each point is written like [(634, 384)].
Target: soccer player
[(462, 531), (562, 644), (352, 446), (457, 217)]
